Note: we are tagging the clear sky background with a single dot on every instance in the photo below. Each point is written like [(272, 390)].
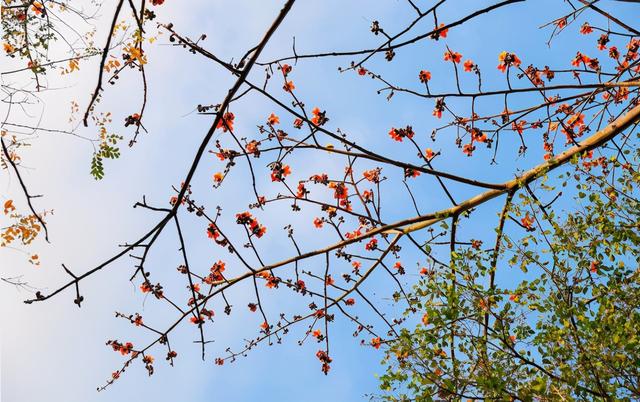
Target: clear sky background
[(54, 351)]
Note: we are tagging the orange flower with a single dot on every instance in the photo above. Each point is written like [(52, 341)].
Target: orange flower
[(288, 86), (468, 65), (318, 222), (507, 59), (37, 7), (317, 333), (372, 175), (212, 231), (8, 206), (478, 135), (586, 29), (197, 320), (425, 319), (297, 123), (375, 342), (593, 267), (424, 76), (371, 245), (399, 133), (8, 47), (226, 122), (145, 287), (286, 69), (279, 171), (329, 280), (439, 108), (408, 172), (450, 55), (319, 117), (217, 177), (580, 59), (468, 149), (443, 32), (340, 191), (527, 222), (273, 119), (429, 153)]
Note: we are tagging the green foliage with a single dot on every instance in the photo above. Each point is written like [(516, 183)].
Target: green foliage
[(561, 320), (107, 150)]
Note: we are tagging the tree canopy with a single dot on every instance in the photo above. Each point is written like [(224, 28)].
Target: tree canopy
[(468, 212)]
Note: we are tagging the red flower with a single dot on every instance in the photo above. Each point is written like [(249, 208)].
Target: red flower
[(507, 59), (468, 149), (408, 172), (340, 190), (319, 117), (527, 222), (580, 59), (145, 287), (302, 190), (362, 71), (288, 86), (372, 175), (399, 133), (212, 231), (439, 108), (252, 307), (273, 119), (197, 320), (286, 69), (350, 302), (375, 342), (371, 245), (318, 222), (424, 76), (586, 29), (468, 65), (450, 55), (429, 153), (279, 171), (297, 123), (226, 122)]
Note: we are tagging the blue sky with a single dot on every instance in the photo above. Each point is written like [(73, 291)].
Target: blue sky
[(54, 351)]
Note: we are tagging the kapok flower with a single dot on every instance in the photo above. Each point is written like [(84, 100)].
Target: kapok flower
[(452, 56), (468, 65), (424, 76), (226, 122), (273, 119), (507, 59)]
